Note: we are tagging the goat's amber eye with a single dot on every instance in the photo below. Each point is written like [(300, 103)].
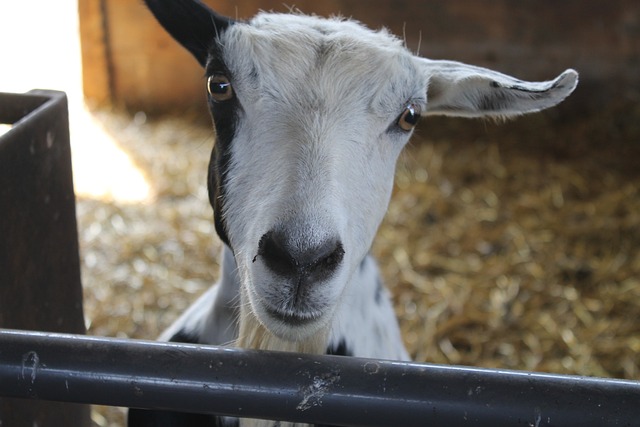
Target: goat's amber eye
[(409, 117), (219, 88)]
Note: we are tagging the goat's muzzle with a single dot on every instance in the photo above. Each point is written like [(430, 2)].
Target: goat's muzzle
[(301, 265)]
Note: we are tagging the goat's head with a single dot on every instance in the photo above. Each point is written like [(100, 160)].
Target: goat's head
[(311, 115)]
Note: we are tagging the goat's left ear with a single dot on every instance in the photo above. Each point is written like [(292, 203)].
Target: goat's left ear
[(192, 23), (457, 89)]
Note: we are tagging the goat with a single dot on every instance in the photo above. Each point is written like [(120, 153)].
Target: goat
[(310, 116)]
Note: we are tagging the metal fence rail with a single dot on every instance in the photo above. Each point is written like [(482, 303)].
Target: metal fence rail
[(316, 389)]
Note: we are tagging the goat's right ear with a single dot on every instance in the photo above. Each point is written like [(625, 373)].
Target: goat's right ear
[(193, 24)]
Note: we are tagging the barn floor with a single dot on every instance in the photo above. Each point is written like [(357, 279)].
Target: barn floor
[(511, 246)]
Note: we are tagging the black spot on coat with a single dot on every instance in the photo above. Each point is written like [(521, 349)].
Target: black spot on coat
[(340, 349)]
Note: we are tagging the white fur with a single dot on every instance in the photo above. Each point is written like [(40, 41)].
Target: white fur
[(330, 123)]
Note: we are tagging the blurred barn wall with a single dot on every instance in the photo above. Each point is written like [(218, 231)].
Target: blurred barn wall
[(128, 60)]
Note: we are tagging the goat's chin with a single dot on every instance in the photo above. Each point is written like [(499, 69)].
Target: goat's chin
[(278, 313), (260, 330)]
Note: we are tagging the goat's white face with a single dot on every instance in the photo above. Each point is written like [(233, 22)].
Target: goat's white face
[(312, 159), (311, 115)]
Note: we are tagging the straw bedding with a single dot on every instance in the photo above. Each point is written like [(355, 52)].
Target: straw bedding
[(514, 246)]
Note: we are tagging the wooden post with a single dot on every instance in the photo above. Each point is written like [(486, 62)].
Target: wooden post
[(96, 72), (40, 285)]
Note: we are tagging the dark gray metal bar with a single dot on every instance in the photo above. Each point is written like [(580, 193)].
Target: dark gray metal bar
[(316, 389)]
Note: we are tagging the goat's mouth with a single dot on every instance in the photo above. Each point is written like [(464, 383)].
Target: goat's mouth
[(292, 318), (287, 310), (284, 315), (293, 306)]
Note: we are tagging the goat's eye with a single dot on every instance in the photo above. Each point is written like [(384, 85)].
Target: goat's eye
[(409, 117), (219, 88)]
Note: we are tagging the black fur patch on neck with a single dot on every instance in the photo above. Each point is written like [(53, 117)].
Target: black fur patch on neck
[(185, 337), (339, 349)]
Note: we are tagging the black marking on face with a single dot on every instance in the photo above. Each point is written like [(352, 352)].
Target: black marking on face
[(225, 117)]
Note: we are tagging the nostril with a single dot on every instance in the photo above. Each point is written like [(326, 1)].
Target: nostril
[(326, 264), (286, 259), (273, 252), (333, 257)]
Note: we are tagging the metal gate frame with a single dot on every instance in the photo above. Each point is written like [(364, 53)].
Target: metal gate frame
[(335, 390)]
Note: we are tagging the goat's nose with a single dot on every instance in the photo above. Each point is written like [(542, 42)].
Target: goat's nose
[(312, 263)]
